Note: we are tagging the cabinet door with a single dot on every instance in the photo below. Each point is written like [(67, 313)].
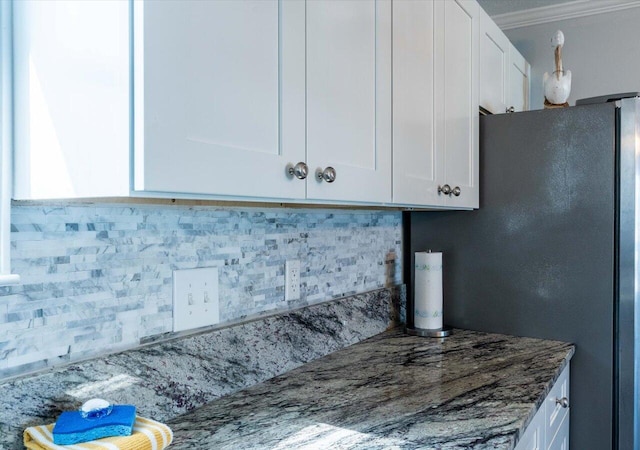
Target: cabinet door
[(457, 98), (71, 99), (494, 62), (533, 437), (561, 439), (518, 81), (349, 98), (555, 413), (219, 97), (416, 164)]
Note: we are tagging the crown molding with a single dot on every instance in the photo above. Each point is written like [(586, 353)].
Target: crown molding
[(561, 11)]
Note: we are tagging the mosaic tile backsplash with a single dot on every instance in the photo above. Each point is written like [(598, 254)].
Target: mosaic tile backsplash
[(97, 278)]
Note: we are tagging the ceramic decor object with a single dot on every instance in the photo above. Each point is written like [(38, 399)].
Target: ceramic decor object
[(557, 85)]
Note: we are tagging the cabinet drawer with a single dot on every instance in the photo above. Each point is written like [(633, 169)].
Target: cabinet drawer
[(555, 412)]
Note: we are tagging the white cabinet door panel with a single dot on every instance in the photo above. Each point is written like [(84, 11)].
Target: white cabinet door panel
[(549, 428), (349, 98), (494, 60), (518, 81), (416, 164), (533, 437), (561, 439), (555, 413), (458, 99), (341, 103), (220, 105), (435, 102), (71, 99)]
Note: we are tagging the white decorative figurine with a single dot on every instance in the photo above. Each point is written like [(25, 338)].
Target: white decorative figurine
[(557, 86)]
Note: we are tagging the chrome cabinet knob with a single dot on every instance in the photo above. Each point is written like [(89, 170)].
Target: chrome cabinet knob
[(564, 402), (456, 191), (300, 170), (510, 109), (328, 174), (445, 189)]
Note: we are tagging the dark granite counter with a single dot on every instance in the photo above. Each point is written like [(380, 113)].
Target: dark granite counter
[(171, 377), (470, 391)]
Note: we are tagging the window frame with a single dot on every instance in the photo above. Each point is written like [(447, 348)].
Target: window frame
[(6, 143)]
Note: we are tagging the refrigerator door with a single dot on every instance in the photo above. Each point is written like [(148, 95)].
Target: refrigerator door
[(627, 267), (538, 258)]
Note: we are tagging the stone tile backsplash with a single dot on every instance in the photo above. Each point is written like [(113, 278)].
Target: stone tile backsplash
[(97, 278)]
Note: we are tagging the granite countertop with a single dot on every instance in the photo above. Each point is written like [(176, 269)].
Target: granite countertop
[(172, 375), (469, 391)]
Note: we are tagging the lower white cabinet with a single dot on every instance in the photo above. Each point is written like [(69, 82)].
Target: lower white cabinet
[(549, 428), (561, 439), (533, 437)]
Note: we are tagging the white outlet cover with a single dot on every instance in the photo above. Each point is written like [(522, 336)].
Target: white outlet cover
[(195, 298), (292, 280)]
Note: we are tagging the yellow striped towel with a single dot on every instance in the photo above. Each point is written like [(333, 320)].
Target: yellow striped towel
[(147, 435)]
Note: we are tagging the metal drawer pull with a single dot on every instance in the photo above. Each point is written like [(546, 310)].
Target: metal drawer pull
[(564, 402), (446, 190), (328, 174), (299, 171)]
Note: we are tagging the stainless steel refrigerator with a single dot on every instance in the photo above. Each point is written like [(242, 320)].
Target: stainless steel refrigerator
[(552, 252)]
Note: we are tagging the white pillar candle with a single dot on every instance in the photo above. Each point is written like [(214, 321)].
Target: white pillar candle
[(427, 304)]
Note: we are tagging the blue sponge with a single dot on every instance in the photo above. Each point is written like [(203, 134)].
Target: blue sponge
[(72, 428)]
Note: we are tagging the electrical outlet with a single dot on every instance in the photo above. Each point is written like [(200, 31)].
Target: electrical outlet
[(292, 280), (195, 298)]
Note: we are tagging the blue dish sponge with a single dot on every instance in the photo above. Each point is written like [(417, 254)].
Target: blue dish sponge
[(72, 428)]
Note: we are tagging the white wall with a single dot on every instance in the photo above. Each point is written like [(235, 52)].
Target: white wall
[(602, 52)]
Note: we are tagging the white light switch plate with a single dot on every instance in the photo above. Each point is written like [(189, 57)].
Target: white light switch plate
[(195, 298)]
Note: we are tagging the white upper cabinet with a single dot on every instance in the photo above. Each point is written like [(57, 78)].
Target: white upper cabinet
[(235, 92), (349, 99), (219, 97), (71, 99), (519, 82), (457, 115), (417, 167), (504, 73), (218, 100), (494, 66), (435, 106)]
